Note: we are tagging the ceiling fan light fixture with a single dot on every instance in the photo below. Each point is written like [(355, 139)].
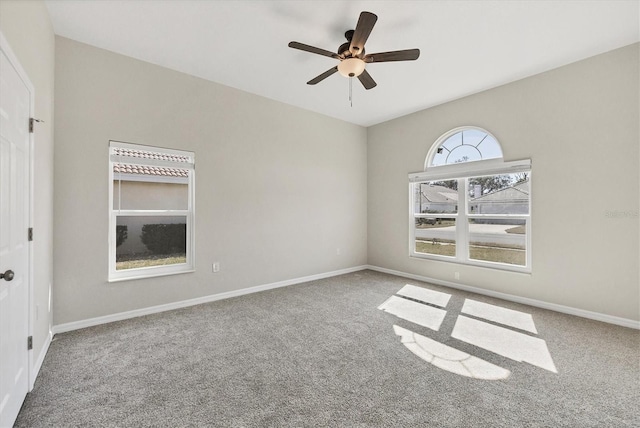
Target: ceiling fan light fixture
[(351, 67)]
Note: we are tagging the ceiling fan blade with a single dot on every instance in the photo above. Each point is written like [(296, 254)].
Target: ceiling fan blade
[(313, 49), (323, 76), (365, 24), (366, 80), (406, 55)]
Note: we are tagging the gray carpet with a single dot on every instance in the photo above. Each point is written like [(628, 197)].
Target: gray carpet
[(322, 354)]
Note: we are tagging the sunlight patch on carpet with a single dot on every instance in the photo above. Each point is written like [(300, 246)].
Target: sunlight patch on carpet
[(448, 358), (417, 313), (425, 295), (417, 307), (500, 315), (508, 343)]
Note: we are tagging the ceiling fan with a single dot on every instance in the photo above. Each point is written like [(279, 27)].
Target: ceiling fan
[(352, 56)]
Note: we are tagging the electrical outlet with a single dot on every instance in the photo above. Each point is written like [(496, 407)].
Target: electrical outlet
[(456, 275), (216, 267), (337, 251)]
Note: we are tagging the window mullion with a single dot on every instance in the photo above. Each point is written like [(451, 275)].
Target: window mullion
[(143, 213), (462, 223), (434, 215), (500, 216)]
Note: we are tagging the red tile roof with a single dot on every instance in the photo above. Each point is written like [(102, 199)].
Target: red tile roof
[(127, 168), (149, 170), (119, 151)]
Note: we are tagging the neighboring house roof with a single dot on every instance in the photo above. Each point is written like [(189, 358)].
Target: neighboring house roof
[(434, 193), (517, 192), (127, 168), (119, 151)]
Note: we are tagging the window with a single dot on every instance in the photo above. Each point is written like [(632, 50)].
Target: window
[(151, 222), (469, 206), (465, 145)]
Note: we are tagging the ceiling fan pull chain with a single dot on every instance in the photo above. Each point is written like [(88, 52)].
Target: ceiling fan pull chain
[(351, 91)]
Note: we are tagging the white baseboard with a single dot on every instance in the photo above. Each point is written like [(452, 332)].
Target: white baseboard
[(35, 369), (624, 322), (76, 325)]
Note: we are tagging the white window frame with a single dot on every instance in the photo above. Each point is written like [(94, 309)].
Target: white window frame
[(463, 172), (189, 213)]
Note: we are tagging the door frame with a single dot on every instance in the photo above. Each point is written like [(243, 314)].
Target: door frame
[(13, 59)]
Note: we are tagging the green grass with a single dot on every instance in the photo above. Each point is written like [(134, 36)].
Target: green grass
[(512, 256), (142, 261), (442, 249), (500, 255)]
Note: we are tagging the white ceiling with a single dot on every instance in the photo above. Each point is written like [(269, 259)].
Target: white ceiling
[(466, 46)]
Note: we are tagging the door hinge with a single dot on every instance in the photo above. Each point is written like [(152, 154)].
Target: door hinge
[(31, 123), (30, 343), (30, 234)]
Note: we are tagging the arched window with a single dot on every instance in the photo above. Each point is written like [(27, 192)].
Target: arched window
[(469, 205), (466, 144)]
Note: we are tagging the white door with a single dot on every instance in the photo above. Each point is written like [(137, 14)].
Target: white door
[(15, 99)]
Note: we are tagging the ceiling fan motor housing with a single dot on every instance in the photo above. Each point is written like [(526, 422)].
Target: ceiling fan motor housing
[(344, 49)]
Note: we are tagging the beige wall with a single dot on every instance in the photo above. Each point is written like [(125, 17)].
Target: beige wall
[(579, 125), (27, 28), (278, 189)]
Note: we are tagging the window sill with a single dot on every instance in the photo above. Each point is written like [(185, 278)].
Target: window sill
[(148, 274), (486, 265)]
